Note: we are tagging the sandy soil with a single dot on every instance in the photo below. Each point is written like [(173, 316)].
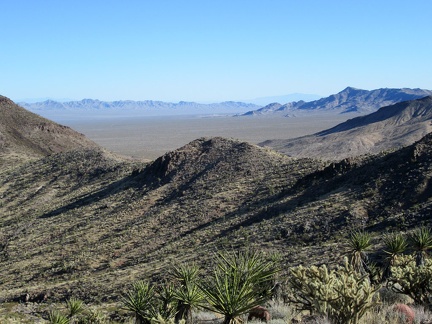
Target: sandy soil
[(151, 137)]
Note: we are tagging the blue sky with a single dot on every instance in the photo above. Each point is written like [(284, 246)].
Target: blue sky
[(211, 50)]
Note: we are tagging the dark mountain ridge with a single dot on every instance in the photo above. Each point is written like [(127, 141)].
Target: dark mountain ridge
[(390, 127), (348, 100)]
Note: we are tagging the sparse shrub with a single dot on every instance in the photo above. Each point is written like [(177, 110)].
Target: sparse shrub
[(93, 317)]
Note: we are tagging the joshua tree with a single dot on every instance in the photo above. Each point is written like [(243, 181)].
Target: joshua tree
[(240, 282), (421, 241), (395, 245), (359, 243)]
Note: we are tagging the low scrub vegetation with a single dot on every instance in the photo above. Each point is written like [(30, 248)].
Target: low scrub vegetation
[(397, 289)]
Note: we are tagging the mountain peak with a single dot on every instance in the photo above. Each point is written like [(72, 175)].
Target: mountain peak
[(350, 89)]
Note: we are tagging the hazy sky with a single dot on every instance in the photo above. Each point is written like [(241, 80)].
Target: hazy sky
[(211, 50)]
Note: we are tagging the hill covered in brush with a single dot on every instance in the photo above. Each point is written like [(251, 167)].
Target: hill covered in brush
[(25, 135), (79, 223)]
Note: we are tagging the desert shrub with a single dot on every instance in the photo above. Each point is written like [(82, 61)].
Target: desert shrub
[(341, 294)]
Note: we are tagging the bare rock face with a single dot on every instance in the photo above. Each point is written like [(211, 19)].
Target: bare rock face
[(25, 135), (406, 311)]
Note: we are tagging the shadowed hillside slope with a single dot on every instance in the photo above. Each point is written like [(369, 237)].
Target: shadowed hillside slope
[(78, 223), (25, 135), (390, 127)]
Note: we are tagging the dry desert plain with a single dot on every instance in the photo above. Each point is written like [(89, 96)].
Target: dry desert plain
[(150, 137)]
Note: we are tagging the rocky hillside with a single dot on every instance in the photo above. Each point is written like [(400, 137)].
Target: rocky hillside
[(79, 223), (348, 100), (388, 128), (25, 135)]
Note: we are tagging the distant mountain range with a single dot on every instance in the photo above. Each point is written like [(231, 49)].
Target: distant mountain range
[(263, 101), (390, 127), (130, 107), (348, 100)]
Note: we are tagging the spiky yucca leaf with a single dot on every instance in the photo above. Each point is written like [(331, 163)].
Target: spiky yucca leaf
[(74, 306), (140, 300), (187, 292), (54, 317), (241, 281), (359, 243), (185, 273), (421, 241), (395, 244)]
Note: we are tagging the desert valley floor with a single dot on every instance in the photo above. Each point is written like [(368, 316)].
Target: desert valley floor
[(151, 137)]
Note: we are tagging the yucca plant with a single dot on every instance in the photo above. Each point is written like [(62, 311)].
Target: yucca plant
[(74, 306), (187, 293), (140, 300), (189, 296), (395, 245), (166, 303), (359, 244), (421, 241), (240, 282), (54, 317)]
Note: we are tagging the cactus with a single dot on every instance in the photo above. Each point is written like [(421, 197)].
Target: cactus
[(341, 294), (412, 280)]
